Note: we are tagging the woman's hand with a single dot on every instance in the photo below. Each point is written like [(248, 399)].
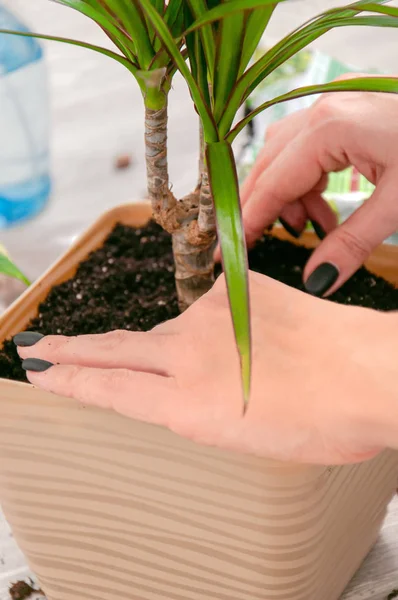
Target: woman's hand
[(324, 375), (290, 174)]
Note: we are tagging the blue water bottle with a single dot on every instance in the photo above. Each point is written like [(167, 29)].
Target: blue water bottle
[(24, 125)]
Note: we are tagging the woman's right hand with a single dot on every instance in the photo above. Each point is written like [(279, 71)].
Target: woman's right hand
[(291, 171)]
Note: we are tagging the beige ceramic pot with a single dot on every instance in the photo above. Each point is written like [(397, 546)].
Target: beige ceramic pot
[(108, 508)]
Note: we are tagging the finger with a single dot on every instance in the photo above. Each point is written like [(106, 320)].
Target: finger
[(276, 139), (292, 175), (141, 396), (348, 246), (285, 131), (294, 218), (117, 349), (320, 213)]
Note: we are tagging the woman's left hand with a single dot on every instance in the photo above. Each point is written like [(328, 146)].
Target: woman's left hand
[(316, 375)]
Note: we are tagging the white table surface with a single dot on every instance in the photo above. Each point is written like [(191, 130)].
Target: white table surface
[(97, 115)]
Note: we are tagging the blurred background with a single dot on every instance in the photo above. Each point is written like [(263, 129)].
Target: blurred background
[(96, 116), (95, 120)]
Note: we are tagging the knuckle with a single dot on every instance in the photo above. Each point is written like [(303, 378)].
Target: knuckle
[(116, 379), (271, 131), (355, 246), (98, 387), (79, 384), (110, 385), (113, 339), (324, 109)]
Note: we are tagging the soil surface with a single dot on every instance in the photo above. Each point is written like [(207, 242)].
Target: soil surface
[(129, 284)]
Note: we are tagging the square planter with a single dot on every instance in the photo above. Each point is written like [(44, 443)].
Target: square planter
[(108, 508)]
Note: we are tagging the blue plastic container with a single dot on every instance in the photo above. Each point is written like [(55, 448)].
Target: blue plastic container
[(24, 125)]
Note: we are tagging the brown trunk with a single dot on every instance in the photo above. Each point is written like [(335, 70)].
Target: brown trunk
[(194, 243), (190, 220), (162, 199), (193, 255), (206, 218)]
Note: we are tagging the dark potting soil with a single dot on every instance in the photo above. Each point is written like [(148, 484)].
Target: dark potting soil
[(129, 284)]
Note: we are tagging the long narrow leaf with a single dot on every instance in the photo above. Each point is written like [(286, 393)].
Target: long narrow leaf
[(8, 268), (98, 16), (227, 9), (255, 27), (225, 190), (135, 24), (199, 8), (174, 17), (120, 59), (223, 10), (172, 48), (197, 59), (129, 51), (228, 58), (292, 49), (286, 48), (362, 84)]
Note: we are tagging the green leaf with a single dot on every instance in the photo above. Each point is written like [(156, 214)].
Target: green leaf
[(172, 48), (288, 47), (159, 5), (256, 24), (317, 31), (364, 5), (174, 17), (106, 22), (198, 9), (133, 22), (225, 190), (227, 9), (362, 84), (121, 59), (119, 42), (228, 58), (8, 268), (197, 61)]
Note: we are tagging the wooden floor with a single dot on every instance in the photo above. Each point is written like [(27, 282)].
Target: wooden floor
[(96, 115)]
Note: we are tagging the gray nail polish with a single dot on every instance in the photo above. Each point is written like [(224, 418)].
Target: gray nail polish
[(36, 365), (27, 338), (322, 279), (293, 232), (319, 230)]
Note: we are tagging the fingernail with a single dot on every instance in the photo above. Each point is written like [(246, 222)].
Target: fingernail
[(319, 230), (27, 338), (36, 365), (322, 279), (296, 234)]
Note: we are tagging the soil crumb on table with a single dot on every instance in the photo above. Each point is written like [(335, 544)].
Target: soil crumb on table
[(22, 590), (128, 283)]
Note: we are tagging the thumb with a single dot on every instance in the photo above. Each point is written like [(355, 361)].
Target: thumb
[(346, 248)]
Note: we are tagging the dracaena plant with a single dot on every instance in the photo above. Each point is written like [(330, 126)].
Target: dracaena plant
[(10, 269), (211, 43)]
